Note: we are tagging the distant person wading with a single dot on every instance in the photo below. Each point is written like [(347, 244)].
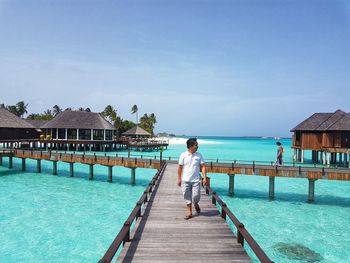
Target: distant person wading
[(190, 164)]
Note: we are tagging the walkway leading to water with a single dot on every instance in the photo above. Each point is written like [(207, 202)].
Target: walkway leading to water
[(162, 234)]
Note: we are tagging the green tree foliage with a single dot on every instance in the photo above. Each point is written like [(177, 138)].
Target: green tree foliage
[(134, 110), (56, 110), (19, 109), (147, 122), (110, 113)]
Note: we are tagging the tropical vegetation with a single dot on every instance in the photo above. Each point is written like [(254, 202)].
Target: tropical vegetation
[(147, 121)]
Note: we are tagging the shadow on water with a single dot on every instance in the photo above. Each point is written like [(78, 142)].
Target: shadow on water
[(293, 198), (99, 177), (9, 172)]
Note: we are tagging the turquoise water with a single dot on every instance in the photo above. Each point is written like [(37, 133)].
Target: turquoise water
[(46, 218), (43, 216)]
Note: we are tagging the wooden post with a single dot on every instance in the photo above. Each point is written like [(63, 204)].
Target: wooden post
[(91, 171), (0, 160), (38, 166), (231, 187), (71, 169), (54, 167), (133, 175), (110, 173), (23, 164), (272, 187), (311, 196), (10, 162)]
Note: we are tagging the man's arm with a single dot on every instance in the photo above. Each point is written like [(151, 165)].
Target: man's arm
[(204, 173), (179, 174)]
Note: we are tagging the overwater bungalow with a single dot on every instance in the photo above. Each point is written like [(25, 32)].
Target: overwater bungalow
[(327, 135), (139, 139), (13, 127), (80, 125)]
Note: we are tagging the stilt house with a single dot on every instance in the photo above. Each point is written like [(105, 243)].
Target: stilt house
[(327, 135)]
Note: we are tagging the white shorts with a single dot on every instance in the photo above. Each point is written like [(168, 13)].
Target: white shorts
[(191, 192)]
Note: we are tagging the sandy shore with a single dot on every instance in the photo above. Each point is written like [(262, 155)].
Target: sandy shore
[(176, 140)]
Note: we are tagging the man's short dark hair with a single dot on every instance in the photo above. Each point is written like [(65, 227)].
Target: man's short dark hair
[(278, 143), (191, 142)]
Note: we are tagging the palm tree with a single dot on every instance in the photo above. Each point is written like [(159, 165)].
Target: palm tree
[(21, 108), (110, 113), (134, 110), (12, 109), (48, 113), (56, 110)]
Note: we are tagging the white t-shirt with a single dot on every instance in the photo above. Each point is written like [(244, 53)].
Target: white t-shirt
[(191, 166)]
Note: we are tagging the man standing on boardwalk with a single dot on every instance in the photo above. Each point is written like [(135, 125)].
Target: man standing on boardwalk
[(190, 164)]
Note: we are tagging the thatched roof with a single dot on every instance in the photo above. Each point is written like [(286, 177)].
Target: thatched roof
[(79, 120), (337, 121), (136, 131), (37, 123), (10, 120)]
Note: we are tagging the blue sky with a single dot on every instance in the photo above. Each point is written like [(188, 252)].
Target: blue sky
[(209, 67)]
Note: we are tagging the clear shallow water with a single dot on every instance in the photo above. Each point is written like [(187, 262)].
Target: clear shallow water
[(46, 218), (45, 214)]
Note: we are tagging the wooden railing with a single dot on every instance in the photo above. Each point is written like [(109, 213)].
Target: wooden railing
[(124, 233), (242, 232)]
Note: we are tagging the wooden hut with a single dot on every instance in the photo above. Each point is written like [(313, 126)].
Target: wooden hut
[(80, 125), (137, 132), (13, 127), (327, 135)]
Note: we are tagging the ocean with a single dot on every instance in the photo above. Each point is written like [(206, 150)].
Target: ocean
[(60, 218)]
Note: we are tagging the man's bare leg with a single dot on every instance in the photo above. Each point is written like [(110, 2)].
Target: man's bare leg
[(189, 211), (198, 209)]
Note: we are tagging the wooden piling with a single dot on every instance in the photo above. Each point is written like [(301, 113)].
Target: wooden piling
[(54, 167), (91, 171), (10, 162), (23, 164), (0, 160), (271, 187), (110, 173), (311, 196), (231, 188), (38, 166), (71, 169), (133, 175)]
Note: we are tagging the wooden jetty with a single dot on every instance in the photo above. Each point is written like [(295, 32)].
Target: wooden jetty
[(162, 234), (86, 145), (312, 174)]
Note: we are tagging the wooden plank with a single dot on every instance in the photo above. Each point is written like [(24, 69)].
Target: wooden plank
[(162, 234)]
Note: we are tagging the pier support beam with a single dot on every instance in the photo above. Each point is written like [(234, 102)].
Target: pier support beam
[(23, 164), (294, 155), (10, 162), (133, 175), (231, 187), (71, 169), (91, 171), (0, 160), (38, 166), (272, 187), (54, 167), (311, 196), (110, 173), (302, 156)]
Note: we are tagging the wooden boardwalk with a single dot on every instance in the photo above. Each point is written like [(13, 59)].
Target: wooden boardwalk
[(162, 234)]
